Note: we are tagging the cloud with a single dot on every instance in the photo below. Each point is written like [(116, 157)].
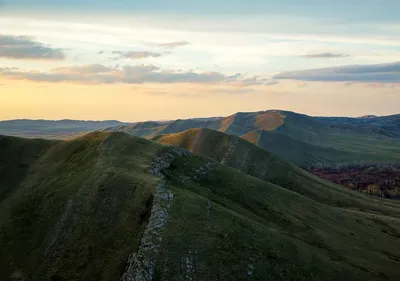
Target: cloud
[(137, 74), (234, 91), (271, 83), (388, 72), (24, 47), (135, 55), (172, 45), (325, 55)]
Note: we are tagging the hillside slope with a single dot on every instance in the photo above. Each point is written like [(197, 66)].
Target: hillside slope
[(108, 206)]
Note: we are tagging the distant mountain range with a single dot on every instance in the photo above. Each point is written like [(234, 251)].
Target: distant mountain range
[(213, 206), (298, 138), (301, 139), (53, 129)]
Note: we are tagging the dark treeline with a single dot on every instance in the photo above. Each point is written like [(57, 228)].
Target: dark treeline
[(381, 180)]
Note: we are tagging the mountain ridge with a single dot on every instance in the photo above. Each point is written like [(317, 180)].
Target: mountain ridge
[(301, 139), (304, 140), (140, 209)]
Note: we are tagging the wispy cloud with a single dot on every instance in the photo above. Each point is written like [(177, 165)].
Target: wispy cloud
[(100, 74), (325, 55), (271, 82), (24, 47), (135, 55), (389, 72), (172, 45), (234, 91)]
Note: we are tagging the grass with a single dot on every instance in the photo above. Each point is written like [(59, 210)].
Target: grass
[(81, 206)]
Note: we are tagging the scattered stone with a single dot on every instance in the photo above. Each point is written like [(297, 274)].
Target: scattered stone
[(188, 267), (209, 205), (251, 267), (18, 275)]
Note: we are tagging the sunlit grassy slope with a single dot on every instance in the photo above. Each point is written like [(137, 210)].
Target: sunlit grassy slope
[(76, 210)]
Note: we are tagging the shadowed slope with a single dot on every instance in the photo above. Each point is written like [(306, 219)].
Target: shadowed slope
[(18, 156), (109, 206), (79, 209)]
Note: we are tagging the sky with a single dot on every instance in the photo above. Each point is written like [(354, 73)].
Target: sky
[(154, 59)]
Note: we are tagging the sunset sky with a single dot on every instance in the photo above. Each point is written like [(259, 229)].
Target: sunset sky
[(154, 59)]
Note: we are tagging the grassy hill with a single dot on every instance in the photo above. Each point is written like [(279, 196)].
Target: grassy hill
[(109, 206), (301, 139)]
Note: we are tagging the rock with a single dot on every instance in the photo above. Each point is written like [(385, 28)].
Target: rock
[(142, 263)]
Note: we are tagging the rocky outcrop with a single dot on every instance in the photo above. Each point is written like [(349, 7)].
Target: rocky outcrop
[(142, 263), (204, 170), (161, 163), (231, 149)]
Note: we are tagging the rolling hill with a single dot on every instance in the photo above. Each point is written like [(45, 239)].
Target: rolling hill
[(109, 206), (298, 138)]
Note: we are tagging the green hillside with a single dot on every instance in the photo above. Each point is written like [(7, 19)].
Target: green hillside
[(108, 206)]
